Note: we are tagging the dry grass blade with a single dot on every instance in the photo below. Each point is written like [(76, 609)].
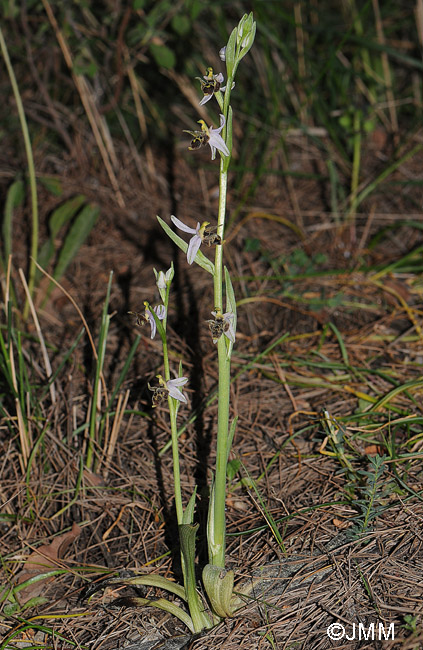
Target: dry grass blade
[(44, 353), (111, 440)]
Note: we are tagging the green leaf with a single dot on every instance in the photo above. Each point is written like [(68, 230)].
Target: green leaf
[(53, 185), (187, 534), (227, 159), (14, 198), (181, 24), (78, 233), (188, 515), (230, 52), (232, 468), (138, 4), (65, 213), (60, 217), (163, 56), (196, 8), (200, 259), (219, 585), (230, 306), (248, 44), (232, 433)]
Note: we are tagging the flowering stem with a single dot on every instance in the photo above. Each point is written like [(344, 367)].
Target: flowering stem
[(218, 546), (173, 427)]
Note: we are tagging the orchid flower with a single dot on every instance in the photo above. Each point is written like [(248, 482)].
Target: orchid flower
[(172, 386), (160, 312), (211, 136), (166, 388), (223, 324), (164, 279), (210, 84), (196, 241), (215, 139)]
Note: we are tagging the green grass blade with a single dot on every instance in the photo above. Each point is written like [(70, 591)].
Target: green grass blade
[(14, 198), (60, 217), (77, 235), (94, 414)]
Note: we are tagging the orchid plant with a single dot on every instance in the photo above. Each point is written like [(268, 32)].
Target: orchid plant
[(217, 581)]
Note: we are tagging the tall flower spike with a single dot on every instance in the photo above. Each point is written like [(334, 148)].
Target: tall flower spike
[(196, 241)]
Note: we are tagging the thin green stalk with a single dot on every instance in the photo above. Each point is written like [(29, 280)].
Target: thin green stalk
[(218, 263), (173, 426), (175, 457), (218, 547), (31, 170), (95, 415)]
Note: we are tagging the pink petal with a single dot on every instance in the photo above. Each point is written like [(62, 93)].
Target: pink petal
[(193, 247), (182, 226)]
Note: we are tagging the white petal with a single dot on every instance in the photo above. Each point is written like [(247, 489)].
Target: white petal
[(181, 225), (152, 324), (179, 381), (217, 142), (219, 78), (160, 311), (161, 281), (193, 247), (230, 333), (222, 123), (206, 99), (176, 394)]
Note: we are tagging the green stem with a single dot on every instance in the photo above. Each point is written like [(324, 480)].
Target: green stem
[(175, 458), (173, 426), (217, 546), (31, 170), (218, 265)]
